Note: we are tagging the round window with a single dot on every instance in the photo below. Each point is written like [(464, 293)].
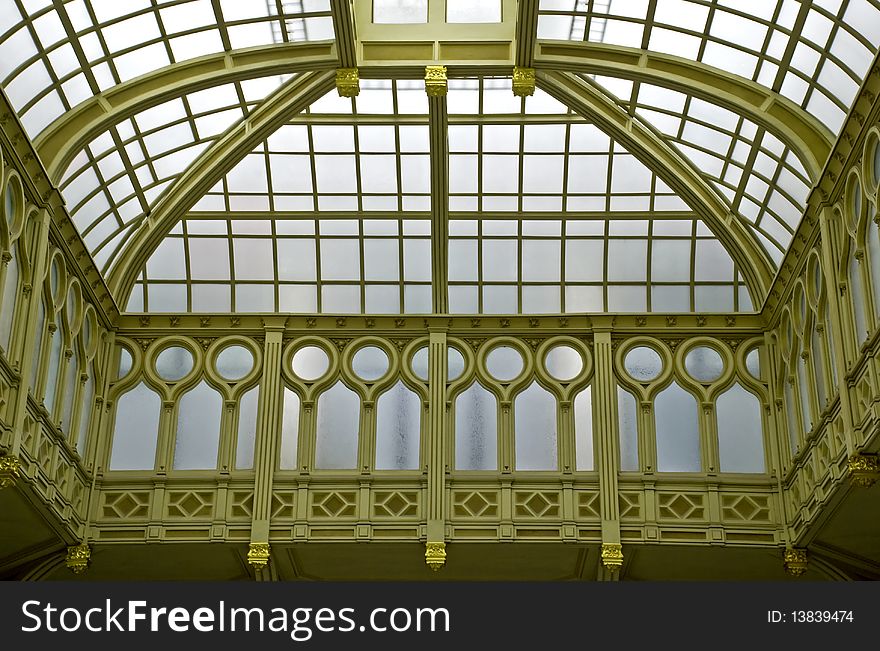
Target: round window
[(643, 363), (234, 362), (370, 363), (504, 363), (310, 363), (174, 363), (563, 363), (704, 364)]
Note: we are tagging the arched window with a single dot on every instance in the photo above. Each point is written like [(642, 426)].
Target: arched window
[(476, 429), (678, 430), (290, 430), (71, 389), (791, 413), (535, 429), (247, 429), (873, 245), (628, 430), (52, 374), (136, 430), (398, 425), (85, 412), (198, 429), (7, 306), (583, 429), (740, 431), (40, 326), (338, 426), (857, 300)]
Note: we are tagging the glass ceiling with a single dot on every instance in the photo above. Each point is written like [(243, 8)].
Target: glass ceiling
[(546, 212)]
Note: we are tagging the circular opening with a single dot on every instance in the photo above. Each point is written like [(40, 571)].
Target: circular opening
[(73, 305), (370, 363), (174, 363), (54, 278), (87, 331), (876, 171), (10, 204), (563, 363), (815, 278), (855, 200), (234, 362), (704, 364), (753, 362), (504, 363), (801, 306), (125, 362), (643, 363), (454, 363), (310, 362)]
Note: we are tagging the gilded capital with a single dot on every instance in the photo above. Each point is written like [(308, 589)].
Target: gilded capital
[(10, 471), (795, 561), (612, 556), (523, 81), (348, 83), (435, 555), (863, 469), (258, 555), (78, 558), (435, 81)]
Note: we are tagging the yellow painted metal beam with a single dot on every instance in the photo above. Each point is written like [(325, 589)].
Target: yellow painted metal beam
[(214, 162), (63, 139), (809, 139), (672, 168)]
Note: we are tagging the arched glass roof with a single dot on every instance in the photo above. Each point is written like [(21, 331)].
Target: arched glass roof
[(604, 193)]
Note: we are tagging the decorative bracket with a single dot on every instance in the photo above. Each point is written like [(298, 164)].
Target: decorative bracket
[(10, 471), (79, 557), (795, 561), (435, 81), (863, 469), (435, 555), (612, 556), (258, 555), (523, 81), (348, 83)]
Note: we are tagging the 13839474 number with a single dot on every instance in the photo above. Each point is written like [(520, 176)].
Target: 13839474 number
[(809, 616)]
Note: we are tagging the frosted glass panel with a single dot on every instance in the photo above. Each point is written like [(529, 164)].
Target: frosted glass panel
[(420, 363), (857, 296), (198, 429), (563, 363), (643, 364), (38, 345), (704, 364), (234, 362), (125, 363), (136, 430), (806, 414), (85, 414), (54, 363), (400, 11), (753, 363), (627, 425), (290, 430), (173, 363), (583, 429), (71, 383), (310, 363), (369, 363), (873, 242), (740, 435), (535, 429), (473, 11), (678, 431), (398, 423), (792, 418), (476, 430), (247, 429), (7, 309), (818, 355), (454, 361), (504, 363), (338, 426)]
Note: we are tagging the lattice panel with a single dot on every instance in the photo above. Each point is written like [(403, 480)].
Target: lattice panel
[(29, 437), (681, 506), (241, 505), (474, 504), (536, 504), (395, 504), (334, 504), (588, 505), (284, 505), (125, 505), (630, 505), (62, 476), (190, 504), (44, 451), (76, 498), (745, 508)]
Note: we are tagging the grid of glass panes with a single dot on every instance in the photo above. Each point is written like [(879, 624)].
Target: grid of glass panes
[(537, 155), (527, 266), (815, 53), (55, 55), (377, 265), (340, 155), (761, 178), (115, 179)]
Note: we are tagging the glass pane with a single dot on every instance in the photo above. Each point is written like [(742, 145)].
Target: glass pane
[(678, 431), (740, 433), (753, 362), (369, 363), (85, 414), (583, 429), (234, 362), (473, 11), (504, 363), (310, 362), (643, 364), (247, 429), (290, 430), (818, 354), (400, 11), (71, 384), (198, 429), (704, 364), (38, 345), (454, 360), (174, 363), (793, 438), (339, 411), (627, 424), (136, 430), (398, 423), (420, 363), (52, 377), (563, 362), (476, 430), (535, 429), (9, 205), (804, 392), (873, 245), (7, 308), (857, 296)]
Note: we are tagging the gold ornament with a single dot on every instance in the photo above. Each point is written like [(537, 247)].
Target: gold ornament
[(348, 83), (78, 558), (435, 81), (258, 555), (435, 555), (795, 561), (863, 469), (612, 556), (10, 471), (523, 81)]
